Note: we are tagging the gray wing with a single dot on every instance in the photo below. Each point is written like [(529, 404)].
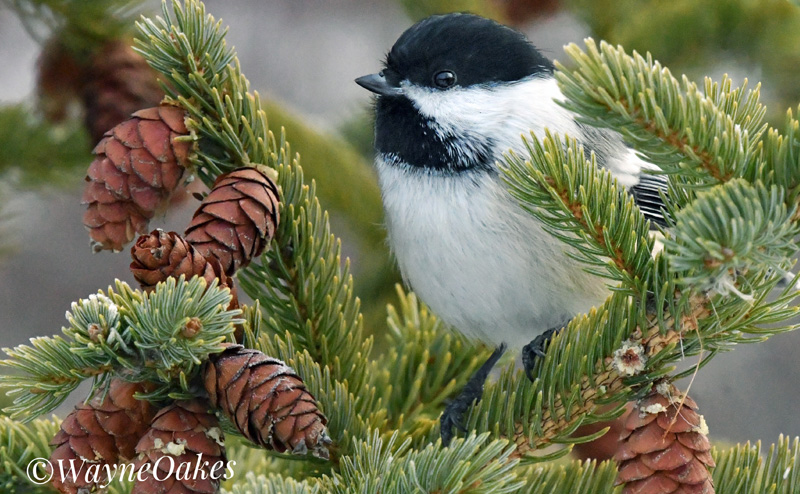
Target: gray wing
[(612, 153), (647, 197)]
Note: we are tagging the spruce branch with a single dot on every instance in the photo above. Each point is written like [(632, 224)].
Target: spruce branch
[(330, 160), (161, 337), (342, 169), (562, 398), (593, 358), (613, 355), (271, 484), (252, 461), (312, 317), (425, 364), (781, 158), (20, 444), (672, 123), (729, 229), (473, 464), (739, 103), (742, 469), (306, 289), (583, 206), (47, 372), (694, 35), (309, 298), (38, 152), (573, 477), (747, 469), (86, 23), (172, 331), (202, 75)]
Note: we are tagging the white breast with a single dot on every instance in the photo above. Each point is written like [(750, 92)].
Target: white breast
[(478, 260)]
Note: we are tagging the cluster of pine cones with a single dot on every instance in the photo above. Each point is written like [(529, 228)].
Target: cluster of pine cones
[(139, 164), (265, 399)]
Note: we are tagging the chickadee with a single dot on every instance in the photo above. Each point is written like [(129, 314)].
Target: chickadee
[(456, 92)]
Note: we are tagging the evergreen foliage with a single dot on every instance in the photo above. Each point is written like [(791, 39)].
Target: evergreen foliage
[(701, 37), (332, 161), (739, 226), (19, 445), (34, 152), (746, 469), (417, 383), (136, 335), (577, 202), (732, 205), (84, 24), (659, 115)]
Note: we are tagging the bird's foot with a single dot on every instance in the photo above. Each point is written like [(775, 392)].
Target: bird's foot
[(535, 350), (472, 392)]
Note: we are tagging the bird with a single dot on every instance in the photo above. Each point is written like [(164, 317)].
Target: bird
[(456, 93)]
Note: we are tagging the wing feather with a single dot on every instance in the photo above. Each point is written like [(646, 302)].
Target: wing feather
[(647, 197)]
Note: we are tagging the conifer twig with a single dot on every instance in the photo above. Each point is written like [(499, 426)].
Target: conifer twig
[(140, 334), (671, 122), (577, 200)]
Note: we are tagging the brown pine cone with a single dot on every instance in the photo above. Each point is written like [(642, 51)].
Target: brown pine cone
[(237, 219), (101, 432), (59, 79), (604, 447), (520, 12), (664, 448), (161, 255), (138, 166), (117, 82), (190, 434), (267, 401)]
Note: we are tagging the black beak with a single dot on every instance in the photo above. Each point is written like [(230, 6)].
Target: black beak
[(378, 85)]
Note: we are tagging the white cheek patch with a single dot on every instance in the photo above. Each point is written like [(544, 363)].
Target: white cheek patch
[(502, 112)]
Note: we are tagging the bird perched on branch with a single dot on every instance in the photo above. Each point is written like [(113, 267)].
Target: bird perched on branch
[(456, 92)]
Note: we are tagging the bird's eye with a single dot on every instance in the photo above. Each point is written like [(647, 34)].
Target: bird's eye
[(444, 79)]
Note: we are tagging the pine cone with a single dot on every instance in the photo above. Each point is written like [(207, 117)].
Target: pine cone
[(103, 431), (190, 434), (138, 166), (267, 401), (59, 79), (117, 82), (657, 456), (604, 447), (520, 12), (161, 255), (237, 219)]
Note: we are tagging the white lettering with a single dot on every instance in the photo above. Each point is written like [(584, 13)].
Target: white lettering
[(156, 468)]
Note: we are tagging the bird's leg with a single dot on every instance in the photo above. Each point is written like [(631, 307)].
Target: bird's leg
[(535, 350), (472, 392)]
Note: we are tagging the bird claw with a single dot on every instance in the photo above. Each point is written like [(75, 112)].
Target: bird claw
[(452, 417), (534, 350), (454, 411)]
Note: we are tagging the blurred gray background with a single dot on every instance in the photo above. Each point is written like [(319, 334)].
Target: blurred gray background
[(306, 54)]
